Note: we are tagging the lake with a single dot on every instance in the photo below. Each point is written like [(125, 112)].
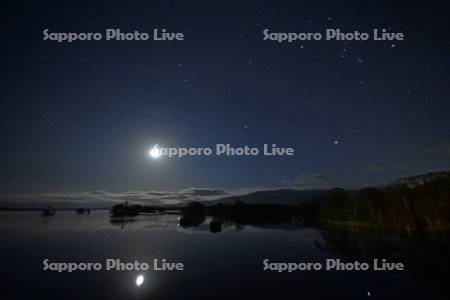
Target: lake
[(222, 265)]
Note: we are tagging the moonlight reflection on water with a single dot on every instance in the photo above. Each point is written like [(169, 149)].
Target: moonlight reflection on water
[(139, 280)]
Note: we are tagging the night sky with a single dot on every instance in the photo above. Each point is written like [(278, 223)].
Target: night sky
[(82, 116)]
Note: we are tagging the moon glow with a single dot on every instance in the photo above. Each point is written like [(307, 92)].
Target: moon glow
[(155, 152)]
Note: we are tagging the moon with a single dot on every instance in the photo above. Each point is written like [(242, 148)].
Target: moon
[(155, 152)]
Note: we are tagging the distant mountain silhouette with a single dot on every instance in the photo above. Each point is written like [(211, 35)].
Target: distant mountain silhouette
[(296, 196), (413, 203), (279, 196), (414, 181)]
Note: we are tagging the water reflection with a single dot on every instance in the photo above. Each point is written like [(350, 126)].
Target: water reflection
[(421, 251), (222, 258), (139, 280)]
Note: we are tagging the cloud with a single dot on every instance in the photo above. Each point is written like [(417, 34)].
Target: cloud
[(439, 149), (376, 168), (205, 192), (101, 198), (309, 182)]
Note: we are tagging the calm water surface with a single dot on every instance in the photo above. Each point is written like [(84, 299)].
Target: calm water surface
[(225, 265)]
